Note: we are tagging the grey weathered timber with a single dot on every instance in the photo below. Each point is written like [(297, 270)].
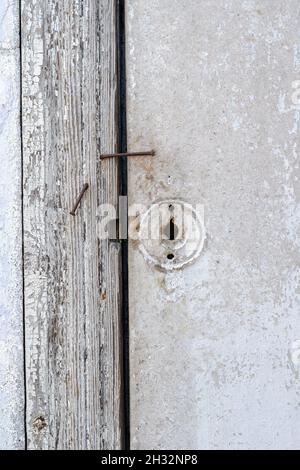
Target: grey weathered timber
[(11, 323), (73, 355)]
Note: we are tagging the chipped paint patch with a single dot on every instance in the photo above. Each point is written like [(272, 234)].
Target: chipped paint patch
[(11, 310)]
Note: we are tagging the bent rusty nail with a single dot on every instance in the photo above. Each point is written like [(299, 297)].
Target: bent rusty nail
[(73, 211), (150, 153)]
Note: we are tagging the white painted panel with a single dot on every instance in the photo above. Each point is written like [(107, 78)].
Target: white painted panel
[(214, 351), (11, 331)]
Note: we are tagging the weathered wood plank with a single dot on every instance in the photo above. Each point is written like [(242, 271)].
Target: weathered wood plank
[(12, 434), (73, 354)]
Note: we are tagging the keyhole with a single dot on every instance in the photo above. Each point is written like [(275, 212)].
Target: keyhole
[(171, 230)]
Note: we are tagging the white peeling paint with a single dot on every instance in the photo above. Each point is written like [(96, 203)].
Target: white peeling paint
[(11, 330)]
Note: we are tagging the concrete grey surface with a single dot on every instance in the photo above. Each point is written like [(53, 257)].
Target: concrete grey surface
[(11, 332), (215, 347)]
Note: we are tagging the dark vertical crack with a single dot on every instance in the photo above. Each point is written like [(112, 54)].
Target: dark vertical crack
[(121, 32)]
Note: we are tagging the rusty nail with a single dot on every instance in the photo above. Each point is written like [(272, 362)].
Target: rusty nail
[(85, 187), (151, 153)]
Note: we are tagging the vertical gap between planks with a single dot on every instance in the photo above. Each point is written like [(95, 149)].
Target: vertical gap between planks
[(121, 42)]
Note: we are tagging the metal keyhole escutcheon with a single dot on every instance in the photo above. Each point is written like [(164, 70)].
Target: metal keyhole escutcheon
[(171, 234)]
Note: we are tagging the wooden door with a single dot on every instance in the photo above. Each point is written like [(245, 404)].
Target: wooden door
[(212, 88)]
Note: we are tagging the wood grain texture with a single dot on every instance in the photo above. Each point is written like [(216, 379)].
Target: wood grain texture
[(73, 327)]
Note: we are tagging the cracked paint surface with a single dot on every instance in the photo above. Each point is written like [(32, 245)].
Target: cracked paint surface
[(213, 364), (11, 333)]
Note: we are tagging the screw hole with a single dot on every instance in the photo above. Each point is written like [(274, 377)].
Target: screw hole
[(170, 256)]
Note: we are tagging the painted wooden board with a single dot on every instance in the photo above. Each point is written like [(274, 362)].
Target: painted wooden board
[(213, 87), (72, 315), (12, 434)]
